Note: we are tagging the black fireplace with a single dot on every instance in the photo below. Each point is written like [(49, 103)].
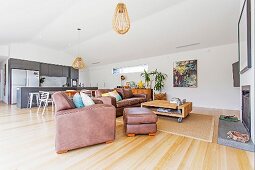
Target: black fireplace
[(246, 107)]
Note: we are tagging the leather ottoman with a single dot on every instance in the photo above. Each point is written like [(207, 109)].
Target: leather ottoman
[(139, 121)]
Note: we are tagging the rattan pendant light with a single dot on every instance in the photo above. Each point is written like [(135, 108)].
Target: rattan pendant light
[(121, 21), (78, 62)]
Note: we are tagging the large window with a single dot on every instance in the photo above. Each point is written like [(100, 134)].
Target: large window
[(133, 69)]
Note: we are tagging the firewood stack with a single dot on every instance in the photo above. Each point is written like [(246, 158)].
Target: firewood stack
[(237, 136)]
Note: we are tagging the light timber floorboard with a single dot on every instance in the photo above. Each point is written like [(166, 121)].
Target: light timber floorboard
[(27, 142)]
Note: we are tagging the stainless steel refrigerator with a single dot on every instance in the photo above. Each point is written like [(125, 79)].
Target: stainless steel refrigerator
[(23, 78)]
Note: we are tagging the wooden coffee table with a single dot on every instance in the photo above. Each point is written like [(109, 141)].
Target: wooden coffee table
[(180, 112)]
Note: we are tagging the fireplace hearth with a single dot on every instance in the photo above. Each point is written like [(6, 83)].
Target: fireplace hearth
[(243, 127)]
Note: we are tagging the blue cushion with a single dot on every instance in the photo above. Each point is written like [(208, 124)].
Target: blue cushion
[(78, 100)]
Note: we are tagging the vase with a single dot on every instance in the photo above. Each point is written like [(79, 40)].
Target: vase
[(148, 85)]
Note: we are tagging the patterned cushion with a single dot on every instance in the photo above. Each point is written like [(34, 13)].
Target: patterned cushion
[(99, 92), (78, 101), (116, 95), (105, 94), (87, 101)]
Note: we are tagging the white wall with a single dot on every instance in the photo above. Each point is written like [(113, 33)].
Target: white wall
[(34, 52), (4, 51), (1, 84), (5, 98), (248, 77), (215, 84), (84, 78)]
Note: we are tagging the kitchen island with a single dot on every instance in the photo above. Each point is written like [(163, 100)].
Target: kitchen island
[(23, 92)]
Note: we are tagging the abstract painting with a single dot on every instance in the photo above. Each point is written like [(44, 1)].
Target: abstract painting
[(185, 73)]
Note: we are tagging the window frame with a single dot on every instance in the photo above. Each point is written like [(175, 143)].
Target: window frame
[(128, 69)]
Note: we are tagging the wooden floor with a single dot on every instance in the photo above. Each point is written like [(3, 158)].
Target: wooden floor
[(27, 142)]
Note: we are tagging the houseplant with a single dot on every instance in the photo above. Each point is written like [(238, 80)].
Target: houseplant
[(147, 78), (42, 79), (159, 78)]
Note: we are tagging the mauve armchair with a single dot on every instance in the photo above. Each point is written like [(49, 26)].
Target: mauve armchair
[(76, 128)]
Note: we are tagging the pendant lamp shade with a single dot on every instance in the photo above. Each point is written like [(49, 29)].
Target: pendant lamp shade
[(78, 63), (121, 21)]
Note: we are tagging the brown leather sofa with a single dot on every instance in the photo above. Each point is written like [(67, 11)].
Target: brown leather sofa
[(76, 128), (128, 99)]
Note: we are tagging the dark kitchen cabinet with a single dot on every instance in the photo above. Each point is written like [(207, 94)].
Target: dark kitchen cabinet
[(31, 65), (44, 70), (59, 71), (74, 73), (15, 63), (55, 70), (51, 70), (65, 71), (23, 64)]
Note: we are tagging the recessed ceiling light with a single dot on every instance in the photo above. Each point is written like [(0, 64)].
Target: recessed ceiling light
[(188, 45)]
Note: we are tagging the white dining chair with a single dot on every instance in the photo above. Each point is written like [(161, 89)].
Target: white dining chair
[(44, 100), (31, 98)]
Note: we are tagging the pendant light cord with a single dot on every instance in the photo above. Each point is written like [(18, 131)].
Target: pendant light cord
[(78, 48)]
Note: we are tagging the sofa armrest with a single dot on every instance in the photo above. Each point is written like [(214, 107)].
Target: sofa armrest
[(97, 101), (140, 95), (85, 126), (107, 100)]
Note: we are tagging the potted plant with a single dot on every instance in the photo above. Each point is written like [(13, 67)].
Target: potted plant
[(159, 78), (42, 79), (147, 78)]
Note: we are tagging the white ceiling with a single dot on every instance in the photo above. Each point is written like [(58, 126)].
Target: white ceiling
[(157, 27)]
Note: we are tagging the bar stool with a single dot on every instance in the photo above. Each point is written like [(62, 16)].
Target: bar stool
[(44, 100), (31, 98)]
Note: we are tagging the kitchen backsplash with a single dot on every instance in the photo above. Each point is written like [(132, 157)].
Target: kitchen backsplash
[(53, 81)]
